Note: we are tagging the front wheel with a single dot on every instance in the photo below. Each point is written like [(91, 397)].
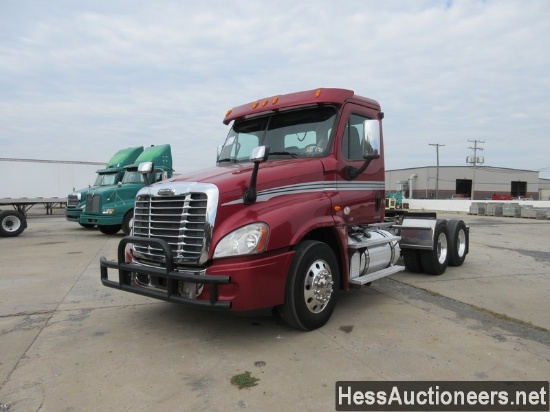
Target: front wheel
[(12, 223), (128, 222), (109, 230), (312, 286)]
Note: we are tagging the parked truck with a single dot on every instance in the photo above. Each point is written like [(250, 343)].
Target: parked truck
[(292, 214), (108, 177), (111, 208)]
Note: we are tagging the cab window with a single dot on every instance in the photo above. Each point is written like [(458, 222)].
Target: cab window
[(353, 141)]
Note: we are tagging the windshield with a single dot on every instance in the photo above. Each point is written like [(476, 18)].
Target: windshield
[(107, 179), (298, 133), (132, 177)]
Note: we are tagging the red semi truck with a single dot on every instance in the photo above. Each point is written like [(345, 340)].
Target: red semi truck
[(292, 214)]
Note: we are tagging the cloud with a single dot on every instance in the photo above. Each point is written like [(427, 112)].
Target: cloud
[(80, 80)]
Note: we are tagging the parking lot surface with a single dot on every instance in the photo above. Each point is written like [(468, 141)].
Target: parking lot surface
[(70, 344)]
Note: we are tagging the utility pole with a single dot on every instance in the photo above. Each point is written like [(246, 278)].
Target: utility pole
[(474, 160), (437, 146)]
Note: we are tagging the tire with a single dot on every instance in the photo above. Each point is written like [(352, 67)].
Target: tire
[(411, 258), (87, 225), (435, 261), (12, 223), (109, 230), (314, 271), (458, 242), (128, 222)]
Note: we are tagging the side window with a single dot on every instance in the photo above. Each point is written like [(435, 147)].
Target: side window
[(352, 143)]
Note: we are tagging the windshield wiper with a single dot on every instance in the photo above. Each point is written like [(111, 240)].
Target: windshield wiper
[(228, 159), (284, 153)]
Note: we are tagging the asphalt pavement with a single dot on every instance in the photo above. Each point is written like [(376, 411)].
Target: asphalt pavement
[(70, 344)]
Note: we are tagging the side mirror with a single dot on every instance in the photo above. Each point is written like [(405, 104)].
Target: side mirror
[(371, 131), (145, 168), (371, 151), (259, 155)]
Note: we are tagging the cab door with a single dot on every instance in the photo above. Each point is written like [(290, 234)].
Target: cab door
[(362, 197)]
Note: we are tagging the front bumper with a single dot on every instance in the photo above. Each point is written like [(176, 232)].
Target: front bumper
[(100, 220), (241, 284), (73, 215)]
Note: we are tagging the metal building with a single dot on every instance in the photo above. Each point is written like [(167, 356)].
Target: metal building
[(485, 182)]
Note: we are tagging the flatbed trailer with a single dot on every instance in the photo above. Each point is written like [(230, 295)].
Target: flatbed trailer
[(23, 204)]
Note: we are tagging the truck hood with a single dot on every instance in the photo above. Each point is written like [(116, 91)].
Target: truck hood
[(233, 180)]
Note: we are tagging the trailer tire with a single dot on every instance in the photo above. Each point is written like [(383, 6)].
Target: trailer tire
[(435, 261), (109, 230), (312, 286), (12, 223), (458, 242), (411, 258), (128, 222)]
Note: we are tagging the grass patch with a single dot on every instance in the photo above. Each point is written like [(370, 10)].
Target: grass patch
[(244, 380)]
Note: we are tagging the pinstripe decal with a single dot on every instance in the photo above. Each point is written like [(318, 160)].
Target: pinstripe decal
[(310, 187)]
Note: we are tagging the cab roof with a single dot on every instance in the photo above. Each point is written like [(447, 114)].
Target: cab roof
[(304, 98)]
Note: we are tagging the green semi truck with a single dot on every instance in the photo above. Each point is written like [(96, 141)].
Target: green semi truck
[(108, 177), (111, 208)]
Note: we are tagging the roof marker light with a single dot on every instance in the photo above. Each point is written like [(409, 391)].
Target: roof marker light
[(228, 112), (275, 100), (256, 104), (264, 103), (318, 93)]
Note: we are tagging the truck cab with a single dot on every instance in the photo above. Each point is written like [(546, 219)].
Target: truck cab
[(108, 177), (292, 214), (111, 208)]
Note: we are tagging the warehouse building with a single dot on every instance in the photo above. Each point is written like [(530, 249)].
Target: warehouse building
[(486, 182)]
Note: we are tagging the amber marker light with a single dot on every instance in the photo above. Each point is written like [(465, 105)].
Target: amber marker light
[(318, 93), (275, 100), (265, 102), (337, 208), (228, 113), (256, 104)]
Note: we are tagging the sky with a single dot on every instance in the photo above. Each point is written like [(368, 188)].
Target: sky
[(80, 80)]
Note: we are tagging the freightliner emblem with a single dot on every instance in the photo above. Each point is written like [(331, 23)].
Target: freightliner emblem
[(167, 192)]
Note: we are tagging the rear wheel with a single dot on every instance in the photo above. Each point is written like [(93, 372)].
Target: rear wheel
[(312, 286), (458, 242), (109, 230), (12, 223), (411, 258), (435, 261)]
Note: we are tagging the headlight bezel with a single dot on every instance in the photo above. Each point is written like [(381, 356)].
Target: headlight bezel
[(247, 240)]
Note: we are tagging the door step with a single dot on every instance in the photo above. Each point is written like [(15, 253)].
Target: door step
[(369, 277)]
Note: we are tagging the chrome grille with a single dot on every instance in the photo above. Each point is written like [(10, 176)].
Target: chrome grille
[(92, 203), (72, 201), (180, 220)]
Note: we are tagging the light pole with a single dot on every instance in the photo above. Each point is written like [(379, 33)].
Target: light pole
[(437, 146)]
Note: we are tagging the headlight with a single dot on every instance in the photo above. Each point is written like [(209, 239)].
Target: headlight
[(247, 240), (108, 211)]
